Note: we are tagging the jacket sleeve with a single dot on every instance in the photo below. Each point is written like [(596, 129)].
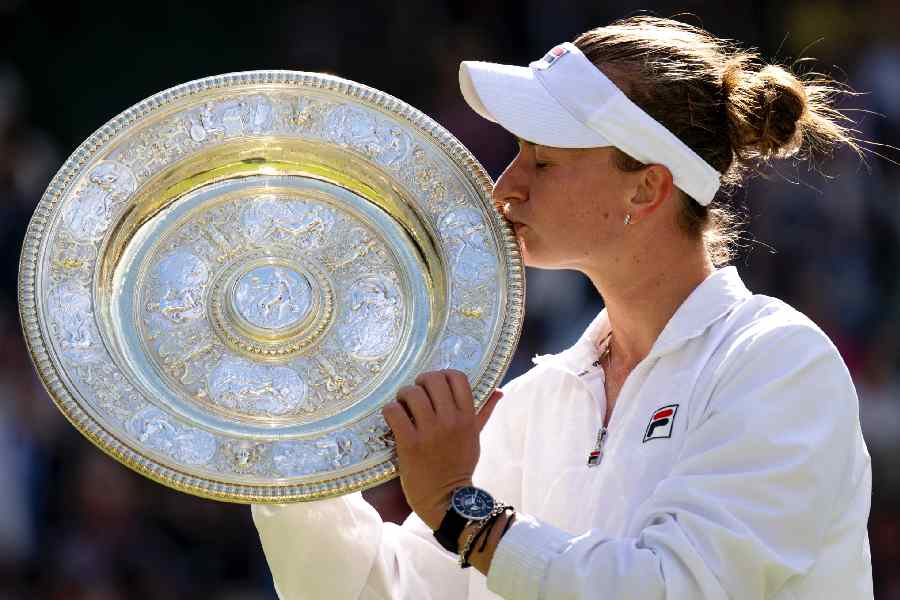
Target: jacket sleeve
[(340, 548), (746, 506)]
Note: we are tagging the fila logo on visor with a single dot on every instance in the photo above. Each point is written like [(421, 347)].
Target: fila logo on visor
[(661, 422), (551, 57)]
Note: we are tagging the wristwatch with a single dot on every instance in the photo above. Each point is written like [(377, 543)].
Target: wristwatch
[(467, 504)]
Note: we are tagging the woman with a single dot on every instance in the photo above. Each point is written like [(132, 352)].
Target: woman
[(698, 441)]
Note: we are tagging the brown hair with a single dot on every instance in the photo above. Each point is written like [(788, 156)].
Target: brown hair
[(723, 102)]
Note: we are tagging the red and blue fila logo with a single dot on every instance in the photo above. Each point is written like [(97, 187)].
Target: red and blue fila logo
[(551, 57), (661, 422)]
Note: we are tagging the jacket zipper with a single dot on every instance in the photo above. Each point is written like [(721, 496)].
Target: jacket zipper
[(596, 454)]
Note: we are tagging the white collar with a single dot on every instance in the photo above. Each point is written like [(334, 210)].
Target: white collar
[(710, 301)]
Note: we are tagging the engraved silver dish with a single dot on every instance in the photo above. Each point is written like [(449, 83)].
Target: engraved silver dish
[(224, 284)]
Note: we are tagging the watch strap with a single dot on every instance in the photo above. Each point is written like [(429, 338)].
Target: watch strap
[(451, 527)]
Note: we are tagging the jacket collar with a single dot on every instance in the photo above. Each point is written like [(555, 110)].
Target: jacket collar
[(710, 301)]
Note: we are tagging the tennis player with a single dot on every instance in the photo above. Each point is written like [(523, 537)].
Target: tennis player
[(698, 440)]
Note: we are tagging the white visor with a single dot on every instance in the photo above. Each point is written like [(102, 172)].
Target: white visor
[(564, 101)]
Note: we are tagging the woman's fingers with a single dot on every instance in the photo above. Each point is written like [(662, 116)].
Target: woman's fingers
[(462, 391), (442, 397), (399, 420), (418, 403)]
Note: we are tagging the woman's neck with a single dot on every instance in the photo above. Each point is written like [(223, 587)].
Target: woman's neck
[(640, 302)]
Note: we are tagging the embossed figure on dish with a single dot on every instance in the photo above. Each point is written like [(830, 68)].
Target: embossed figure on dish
[(259, 390), (270, 219), (90, 213), (77, 335), (467, 239), (156, 430), (370, 326), (272, 297), (179, 279)]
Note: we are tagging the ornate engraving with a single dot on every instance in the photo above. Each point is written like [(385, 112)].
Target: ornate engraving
[(305, 318), (89, 214), (268, 219), (294, 459), (461, 352), (467, 242), (181, 278), (369, 437), (365, 132), (375, 433), (115, 396), (354, 127), (244, 456), (256, 389), (370, 327), (71, 259), (76, 332), (361, 246), (302, 112), (189, 445), (333, 451), (272, 297), (335, 383), (233, 117), (340, 449), (395, 146)]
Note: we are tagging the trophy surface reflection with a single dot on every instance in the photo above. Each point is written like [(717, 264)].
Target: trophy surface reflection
[(225, 283)]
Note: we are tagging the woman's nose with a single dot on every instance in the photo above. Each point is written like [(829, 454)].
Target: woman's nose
[(511, 187)]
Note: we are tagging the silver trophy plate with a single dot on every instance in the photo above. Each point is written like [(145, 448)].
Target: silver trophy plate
[(225, 283)]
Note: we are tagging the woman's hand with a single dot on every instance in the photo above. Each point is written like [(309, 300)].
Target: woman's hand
[(436, 431)]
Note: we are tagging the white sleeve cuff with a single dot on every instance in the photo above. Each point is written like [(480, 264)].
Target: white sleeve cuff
[(521, 559), (320, 549)]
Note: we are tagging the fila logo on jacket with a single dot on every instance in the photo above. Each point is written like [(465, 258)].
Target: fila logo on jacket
[(660, 425)]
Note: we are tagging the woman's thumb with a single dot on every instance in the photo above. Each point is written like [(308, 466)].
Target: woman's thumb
[(488, 407)]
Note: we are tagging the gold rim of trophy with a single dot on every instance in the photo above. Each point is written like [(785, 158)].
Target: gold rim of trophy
[(246, 157)]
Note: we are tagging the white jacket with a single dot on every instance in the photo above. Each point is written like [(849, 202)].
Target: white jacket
[(757, 486)]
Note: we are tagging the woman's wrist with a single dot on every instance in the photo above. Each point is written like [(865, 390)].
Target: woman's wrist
[(482, 552), (477, 531)]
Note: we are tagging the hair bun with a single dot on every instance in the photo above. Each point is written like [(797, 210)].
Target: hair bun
[(765, 109)]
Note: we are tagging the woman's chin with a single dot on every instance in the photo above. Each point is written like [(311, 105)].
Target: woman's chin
[(530, 258), (534, 260), (527, 259)]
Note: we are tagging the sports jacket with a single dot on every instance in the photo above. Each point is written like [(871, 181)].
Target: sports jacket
[(734, 468)]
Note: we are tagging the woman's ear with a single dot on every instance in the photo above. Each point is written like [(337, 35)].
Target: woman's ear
[(655, 187)]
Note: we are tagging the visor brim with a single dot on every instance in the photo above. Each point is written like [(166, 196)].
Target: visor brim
[(513, 98)]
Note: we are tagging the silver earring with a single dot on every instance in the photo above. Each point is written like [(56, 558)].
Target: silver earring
[(627, 219)]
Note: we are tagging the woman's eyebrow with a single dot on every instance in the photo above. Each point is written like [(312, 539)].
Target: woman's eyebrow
[(536, 147), (522, 142)]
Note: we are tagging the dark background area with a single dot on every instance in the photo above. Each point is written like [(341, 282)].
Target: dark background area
[(75, 524)]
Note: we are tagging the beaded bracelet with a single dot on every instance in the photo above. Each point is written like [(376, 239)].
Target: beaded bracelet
[(486, 531), (483, 527), (509, 522), (464, 551)]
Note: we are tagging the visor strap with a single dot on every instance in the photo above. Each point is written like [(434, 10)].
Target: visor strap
[(593, 100)]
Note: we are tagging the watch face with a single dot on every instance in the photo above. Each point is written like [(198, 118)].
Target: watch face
[(473, 503)]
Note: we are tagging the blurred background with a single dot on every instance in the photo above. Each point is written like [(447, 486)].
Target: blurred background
[(75, 524)]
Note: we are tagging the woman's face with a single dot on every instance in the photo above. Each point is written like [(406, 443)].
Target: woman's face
[(567, 205)]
